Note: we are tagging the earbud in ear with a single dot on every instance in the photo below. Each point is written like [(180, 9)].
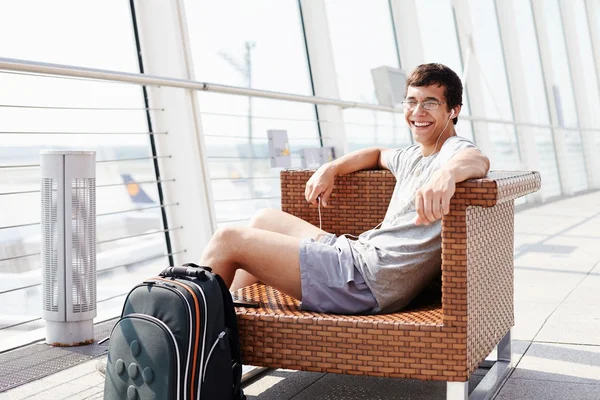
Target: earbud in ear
[(451, 114)]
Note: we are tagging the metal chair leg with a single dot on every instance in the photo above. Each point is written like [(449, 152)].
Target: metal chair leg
[(504, 348), (457, 391), (492, 381)]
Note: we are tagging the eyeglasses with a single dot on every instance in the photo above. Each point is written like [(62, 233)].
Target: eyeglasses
[(427, 104)]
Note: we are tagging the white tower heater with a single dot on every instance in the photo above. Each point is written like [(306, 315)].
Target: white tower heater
[(68, 246)]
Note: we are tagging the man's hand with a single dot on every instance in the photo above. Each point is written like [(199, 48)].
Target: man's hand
[(320, 184), (433, 199)]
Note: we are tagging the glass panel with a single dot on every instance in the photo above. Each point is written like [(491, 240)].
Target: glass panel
[(242, 178), (365, 128), (485, 51), (355, 27), (362, 38), (38, 112), (537, 111), (71, 32), (562, 97), (544, 145), (537, 106), (440, 45), (230, 48), (575, 162), (593, 12), (584, 52), (559, 74), (505, 154), (258, 44)]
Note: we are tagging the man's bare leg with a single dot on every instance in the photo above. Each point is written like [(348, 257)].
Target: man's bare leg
[(279, 222), (269, 256)]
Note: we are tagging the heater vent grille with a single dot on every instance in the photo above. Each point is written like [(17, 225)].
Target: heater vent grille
[(83, 245), (50, 244)]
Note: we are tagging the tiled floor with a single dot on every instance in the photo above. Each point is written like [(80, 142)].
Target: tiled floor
[(556, 340), (76, 383)]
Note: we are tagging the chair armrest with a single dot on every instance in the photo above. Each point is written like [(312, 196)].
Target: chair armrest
[(496, 188)]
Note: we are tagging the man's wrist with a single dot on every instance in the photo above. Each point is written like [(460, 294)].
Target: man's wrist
[(333, 167), (449, 171)]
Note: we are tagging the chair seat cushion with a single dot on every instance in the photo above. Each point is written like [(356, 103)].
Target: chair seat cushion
[(274, 304)]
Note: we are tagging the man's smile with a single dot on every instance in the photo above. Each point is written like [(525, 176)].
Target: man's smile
[(421, 124)]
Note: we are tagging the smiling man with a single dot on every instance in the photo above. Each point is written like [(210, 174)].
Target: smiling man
[(383, 269)]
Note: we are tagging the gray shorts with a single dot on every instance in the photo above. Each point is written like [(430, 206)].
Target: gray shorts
[(330, 281)]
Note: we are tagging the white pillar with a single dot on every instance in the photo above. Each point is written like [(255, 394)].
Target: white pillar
[(325, 81), (165, 51), (585, 84)]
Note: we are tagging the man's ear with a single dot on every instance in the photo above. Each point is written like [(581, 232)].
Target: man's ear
[(455, 111)]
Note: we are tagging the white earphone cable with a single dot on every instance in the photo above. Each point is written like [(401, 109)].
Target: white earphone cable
[(320, 224)]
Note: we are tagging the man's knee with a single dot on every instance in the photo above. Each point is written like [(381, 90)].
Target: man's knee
[(223, 243), (226, 236), (262, 218)]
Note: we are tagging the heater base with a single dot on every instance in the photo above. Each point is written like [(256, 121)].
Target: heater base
[(65, 334)]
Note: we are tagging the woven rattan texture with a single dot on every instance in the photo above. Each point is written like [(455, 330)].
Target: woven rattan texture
[(490, 277), (273, 302), (358, 201), (496, 187), (423, 344)]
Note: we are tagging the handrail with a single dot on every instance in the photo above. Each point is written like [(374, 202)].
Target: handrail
[(152, 80), (36, 67)]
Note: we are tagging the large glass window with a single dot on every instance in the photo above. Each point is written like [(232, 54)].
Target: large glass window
[(562, 97), (440, 45), (537, 108), (593, 14), (362, 38), (585, 54), (40, 112), (258, 44), (484, 51)]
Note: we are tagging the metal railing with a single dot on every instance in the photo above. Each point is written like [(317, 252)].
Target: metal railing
[(151, 80)]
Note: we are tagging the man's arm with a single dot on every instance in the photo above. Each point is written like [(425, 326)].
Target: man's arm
[(321, 183), (433, 199)]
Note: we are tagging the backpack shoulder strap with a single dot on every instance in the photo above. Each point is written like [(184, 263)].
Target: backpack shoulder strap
[(234, 337)]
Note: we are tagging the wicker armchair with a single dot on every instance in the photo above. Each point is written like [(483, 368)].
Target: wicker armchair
[(436, 341)]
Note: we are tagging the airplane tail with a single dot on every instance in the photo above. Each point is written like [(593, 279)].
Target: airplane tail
[(135, 191)]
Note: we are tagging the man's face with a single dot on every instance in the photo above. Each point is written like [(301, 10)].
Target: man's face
[(426, 125)]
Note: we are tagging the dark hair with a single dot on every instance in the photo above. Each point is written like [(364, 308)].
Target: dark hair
[(440, 75)]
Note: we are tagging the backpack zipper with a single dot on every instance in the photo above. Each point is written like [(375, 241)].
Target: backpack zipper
[(200, 327), (219, 338), (204, 336)]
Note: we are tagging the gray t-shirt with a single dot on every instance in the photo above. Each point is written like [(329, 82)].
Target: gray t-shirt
[(400, 258)]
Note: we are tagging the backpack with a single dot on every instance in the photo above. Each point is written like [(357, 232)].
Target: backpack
[(177, 339)]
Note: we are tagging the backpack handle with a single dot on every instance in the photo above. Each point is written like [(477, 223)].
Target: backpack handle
[(187, 270)]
